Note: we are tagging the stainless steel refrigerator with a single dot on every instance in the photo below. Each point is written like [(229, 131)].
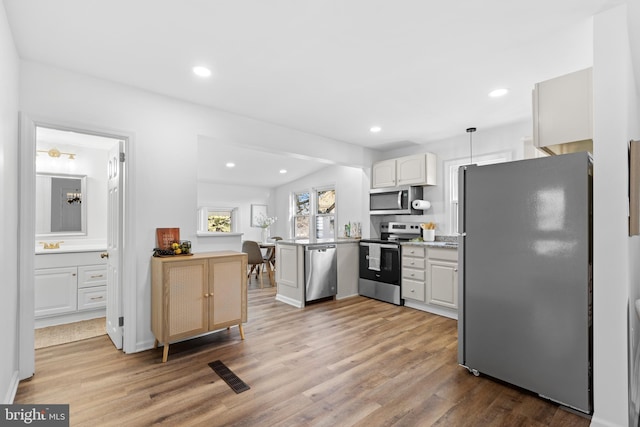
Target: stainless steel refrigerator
[(525, 258)]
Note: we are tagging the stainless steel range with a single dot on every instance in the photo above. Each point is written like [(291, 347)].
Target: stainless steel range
[(380, 268)]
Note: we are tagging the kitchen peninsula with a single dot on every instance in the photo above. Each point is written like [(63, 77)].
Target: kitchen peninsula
[(290, 270)]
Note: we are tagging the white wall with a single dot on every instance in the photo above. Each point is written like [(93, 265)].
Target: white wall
[(352, 205), (93, 164), (235, 196), (9, 67), (615, 254), (508, 138), (164, 136)]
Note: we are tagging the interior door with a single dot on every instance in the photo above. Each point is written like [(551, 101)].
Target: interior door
[(114, 245)]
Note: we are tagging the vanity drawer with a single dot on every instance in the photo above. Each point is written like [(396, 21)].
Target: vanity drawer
[(92, 275), (90, 298)]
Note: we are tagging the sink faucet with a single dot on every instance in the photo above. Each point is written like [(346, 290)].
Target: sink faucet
[(50, 245)]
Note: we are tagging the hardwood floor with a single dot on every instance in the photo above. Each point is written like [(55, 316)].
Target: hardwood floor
[(354, 362)]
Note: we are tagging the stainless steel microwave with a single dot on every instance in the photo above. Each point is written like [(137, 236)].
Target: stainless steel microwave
[(394, 201)]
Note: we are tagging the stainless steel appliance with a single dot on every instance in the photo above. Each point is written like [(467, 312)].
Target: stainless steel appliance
[(525, 286), (380, 268), (394, 201), (320, 271)]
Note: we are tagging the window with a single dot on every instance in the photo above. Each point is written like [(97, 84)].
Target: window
[(314, 207), (451, 185), (218, 220)]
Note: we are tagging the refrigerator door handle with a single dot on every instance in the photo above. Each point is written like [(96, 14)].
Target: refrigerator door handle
[(461, 251)]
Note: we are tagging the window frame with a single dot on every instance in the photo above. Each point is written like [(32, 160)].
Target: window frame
[(313, 215), (203, 221), (451, 182)]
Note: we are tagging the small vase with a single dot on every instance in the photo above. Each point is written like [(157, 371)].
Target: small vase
[(265, 235)]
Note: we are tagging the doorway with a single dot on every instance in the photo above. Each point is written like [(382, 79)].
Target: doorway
[(117, 216), (71, 208)]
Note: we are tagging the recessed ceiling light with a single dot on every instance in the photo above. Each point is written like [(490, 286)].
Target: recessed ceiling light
[(498, 93), (283, 171), (375, 129), (230, 164), (202, 71)]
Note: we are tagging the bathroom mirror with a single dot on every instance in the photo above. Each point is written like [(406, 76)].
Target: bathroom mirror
[(61, 205)]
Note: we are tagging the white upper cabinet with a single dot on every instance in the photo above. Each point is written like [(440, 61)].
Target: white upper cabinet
[(563, 113), (384, 174), (417, 169)]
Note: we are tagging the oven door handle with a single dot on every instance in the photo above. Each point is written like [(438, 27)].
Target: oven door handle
[(382, 245)]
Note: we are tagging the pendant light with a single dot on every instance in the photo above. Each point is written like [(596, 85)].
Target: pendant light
[(470, 132)]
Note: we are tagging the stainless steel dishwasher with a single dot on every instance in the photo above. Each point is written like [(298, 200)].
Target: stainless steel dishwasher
[(320, 271)]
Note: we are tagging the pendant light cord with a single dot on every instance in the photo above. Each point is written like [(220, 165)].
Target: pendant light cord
[(470, 131)]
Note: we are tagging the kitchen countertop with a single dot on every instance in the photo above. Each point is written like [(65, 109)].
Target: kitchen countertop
[(64, 248), (449, 242), (307, 242)]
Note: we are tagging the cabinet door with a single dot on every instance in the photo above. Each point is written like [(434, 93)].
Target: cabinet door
[(186, 298), (227, 300), (442, 283), (563, 109), (383, 174), (411, 170), (56, 291)]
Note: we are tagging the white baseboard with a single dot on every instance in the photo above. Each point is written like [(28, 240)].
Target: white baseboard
[(446, 312), (290, 301), (13, 388)]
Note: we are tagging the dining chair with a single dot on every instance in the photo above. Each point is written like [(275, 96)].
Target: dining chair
[(255, 258)]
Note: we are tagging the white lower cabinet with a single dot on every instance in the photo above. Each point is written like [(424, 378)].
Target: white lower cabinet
[(69, 287), (413, 273), (442, 270), (56, 291), (430, 279)]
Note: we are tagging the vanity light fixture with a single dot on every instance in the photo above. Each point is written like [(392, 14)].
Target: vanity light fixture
[(55, 153), (497, 93), (201, 71), (74, 197), (375, 129)]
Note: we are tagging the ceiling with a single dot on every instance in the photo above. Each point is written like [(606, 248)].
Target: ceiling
[(419, 69)]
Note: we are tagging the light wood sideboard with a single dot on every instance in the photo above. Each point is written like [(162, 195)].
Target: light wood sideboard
[(193, 295)]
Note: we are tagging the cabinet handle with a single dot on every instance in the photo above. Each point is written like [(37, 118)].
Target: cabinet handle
[(96, 276), (96, 298), (413, 290), (73, 274), (104, 255), (206, 295)]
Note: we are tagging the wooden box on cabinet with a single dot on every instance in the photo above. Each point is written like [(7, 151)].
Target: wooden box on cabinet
[(192, 295)]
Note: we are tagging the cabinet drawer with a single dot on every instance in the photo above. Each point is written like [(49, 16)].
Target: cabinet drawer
[(413, 289), (413, 262), (444, 254), (90, 298), (92, 275), (413, 251), (413, 274)]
